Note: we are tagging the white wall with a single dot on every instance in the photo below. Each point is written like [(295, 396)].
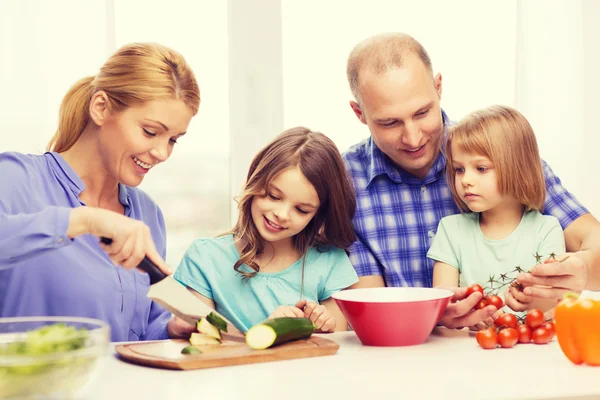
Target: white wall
[(471, 43), (539, 56), (43, 51)]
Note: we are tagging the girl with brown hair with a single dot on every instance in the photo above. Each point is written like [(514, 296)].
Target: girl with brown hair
[(286, 254), (494, 171)]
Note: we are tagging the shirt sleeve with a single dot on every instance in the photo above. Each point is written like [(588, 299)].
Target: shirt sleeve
[(157, 323), (190, 271), (158, 317), (552, 238), (26, 235), (341, 274), (560, 203), (441, 247), (363, 260)]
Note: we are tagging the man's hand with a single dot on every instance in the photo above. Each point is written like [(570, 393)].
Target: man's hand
[(460, 312), (566, 273)]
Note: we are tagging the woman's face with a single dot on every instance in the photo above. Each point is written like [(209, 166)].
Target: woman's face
[(135, 140)]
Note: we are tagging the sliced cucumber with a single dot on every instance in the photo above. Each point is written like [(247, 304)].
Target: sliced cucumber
[(200, 339), (191, 350), (217, 321), (278, 331), (208, 329)]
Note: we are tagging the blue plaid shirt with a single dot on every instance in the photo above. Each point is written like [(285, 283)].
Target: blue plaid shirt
[(398, 214)]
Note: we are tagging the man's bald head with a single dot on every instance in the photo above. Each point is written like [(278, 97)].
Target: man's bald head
[(379, 53)]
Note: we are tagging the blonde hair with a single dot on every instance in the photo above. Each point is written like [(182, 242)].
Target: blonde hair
[(503, 135), (381, 52), (321, 163), (134, 74)]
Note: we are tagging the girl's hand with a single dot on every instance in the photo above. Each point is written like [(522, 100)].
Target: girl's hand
[(131, 239), (320, 316), (486, 323), (287, 311), (516, 300)]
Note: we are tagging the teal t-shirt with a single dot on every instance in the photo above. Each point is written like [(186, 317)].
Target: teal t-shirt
[(207, 267), (460, 243)]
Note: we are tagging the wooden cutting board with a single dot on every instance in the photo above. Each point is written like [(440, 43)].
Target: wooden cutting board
[(233, 350)]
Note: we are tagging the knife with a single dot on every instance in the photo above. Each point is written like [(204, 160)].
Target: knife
[(172, 295)]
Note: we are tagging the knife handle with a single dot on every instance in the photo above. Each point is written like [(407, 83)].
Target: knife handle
[(146, 265)]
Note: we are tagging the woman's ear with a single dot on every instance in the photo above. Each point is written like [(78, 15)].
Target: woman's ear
[(99, 107)]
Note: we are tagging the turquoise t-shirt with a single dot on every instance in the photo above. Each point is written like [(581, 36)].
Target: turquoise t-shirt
[(207, 267), (460, 243)]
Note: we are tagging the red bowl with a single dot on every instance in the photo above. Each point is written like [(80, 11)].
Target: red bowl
[(393, 316)]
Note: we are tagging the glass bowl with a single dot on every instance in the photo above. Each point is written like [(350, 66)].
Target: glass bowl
[(50, 357)]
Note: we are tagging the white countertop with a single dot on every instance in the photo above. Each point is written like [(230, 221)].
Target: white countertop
[(450, 365)]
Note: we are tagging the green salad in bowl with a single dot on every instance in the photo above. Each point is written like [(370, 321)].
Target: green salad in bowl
[(49, 357)]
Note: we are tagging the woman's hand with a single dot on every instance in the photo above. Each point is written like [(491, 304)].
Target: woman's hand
[(131, 239), (179, 329)]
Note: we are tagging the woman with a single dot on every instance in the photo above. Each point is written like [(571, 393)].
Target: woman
[(113, 129)]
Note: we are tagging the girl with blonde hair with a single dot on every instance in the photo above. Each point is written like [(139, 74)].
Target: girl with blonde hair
[(113, 129), (494, 171)]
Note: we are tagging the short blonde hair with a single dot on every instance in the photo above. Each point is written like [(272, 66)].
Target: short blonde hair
[(381, 52), (503, 135)]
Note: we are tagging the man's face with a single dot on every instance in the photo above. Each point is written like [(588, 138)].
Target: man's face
[(401, 107)]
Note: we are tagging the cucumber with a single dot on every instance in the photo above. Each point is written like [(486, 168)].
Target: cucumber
[(200, 339), (191, 350), (208, 329), (217, 321), (278, 331)]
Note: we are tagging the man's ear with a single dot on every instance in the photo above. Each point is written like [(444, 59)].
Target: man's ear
[(437, 83), (358, 112), (99, 108)]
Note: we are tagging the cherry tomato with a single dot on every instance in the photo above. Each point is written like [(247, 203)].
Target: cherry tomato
[(534, 319), (481, 304), (474, 288), (524, 333), (549, 326), (495, 301), (507, 320), (541, 336), (487, 338), (508, 337)]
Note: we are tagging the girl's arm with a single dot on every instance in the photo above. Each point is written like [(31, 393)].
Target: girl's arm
[(444, 275), (340, 321), (205, 300)]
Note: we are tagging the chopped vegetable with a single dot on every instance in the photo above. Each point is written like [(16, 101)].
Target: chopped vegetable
[(200, 339), (278, 331), (217, 321), (191, 350), (208, 329)]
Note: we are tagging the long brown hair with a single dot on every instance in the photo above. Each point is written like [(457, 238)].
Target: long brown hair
[(503, 135), (136, 73), (321, 163)]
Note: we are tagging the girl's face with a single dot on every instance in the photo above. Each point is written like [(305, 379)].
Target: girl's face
[(476, 181), (137, 139), (289, 204)]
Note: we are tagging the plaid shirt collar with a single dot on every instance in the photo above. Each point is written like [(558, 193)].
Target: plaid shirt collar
[(381, 164)]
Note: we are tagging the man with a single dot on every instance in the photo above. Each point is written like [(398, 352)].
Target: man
[(402, 192)]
